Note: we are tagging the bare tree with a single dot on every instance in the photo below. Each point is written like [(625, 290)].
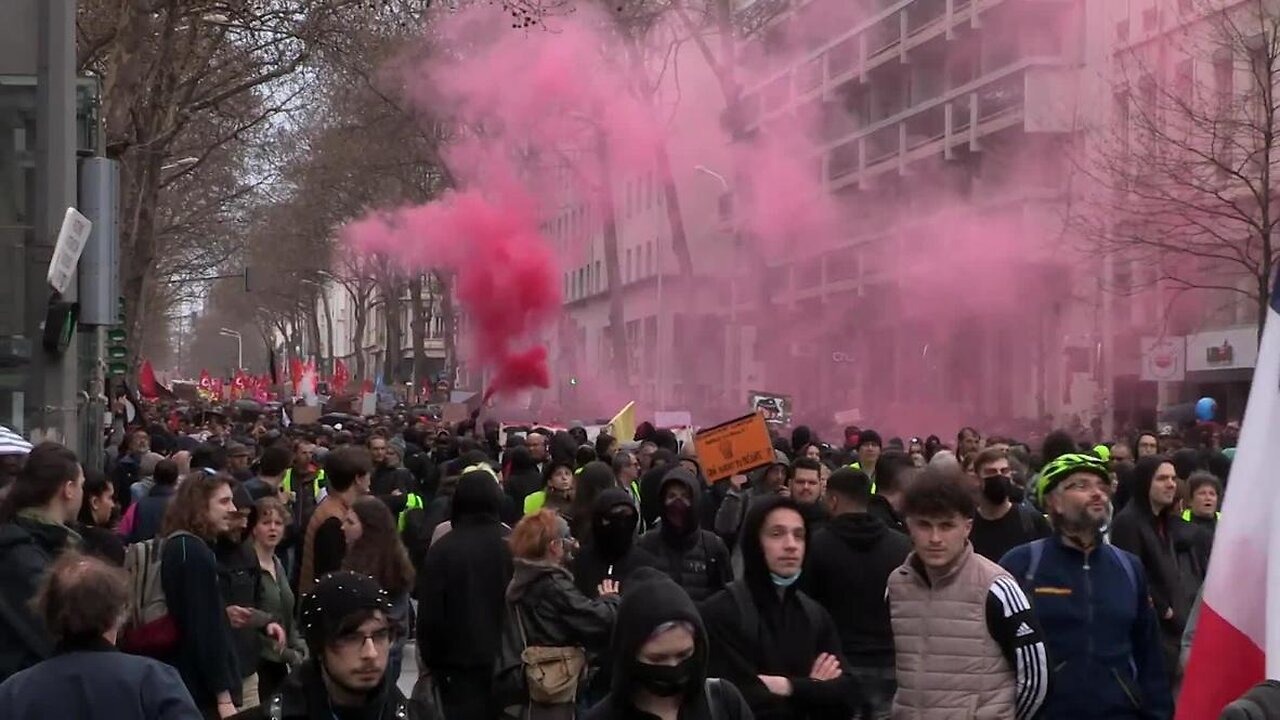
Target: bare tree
[(1183, 176)]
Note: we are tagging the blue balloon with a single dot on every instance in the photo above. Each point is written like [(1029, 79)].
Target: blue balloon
[(1206, 409)]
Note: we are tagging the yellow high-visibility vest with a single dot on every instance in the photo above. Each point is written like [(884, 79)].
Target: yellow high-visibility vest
[(1186, 515), (412, 502), (316, 484)]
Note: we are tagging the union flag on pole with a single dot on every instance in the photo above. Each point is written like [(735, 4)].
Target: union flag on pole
[(1237, 638)]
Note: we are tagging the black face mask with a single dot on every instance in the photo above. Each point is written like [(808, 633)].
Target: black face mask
[(615, 533), (995, 488), (663, 680)]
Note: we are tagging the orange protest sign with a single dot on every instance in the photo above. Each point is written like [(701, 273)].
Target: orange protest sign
[(734, 447)]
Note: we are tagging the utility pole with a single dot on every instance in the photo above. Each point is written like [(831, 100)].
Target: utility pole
[(53, 379)]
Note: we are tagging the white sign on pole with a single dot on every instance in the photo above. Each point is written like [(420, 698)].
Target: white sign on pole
[(1164, 359), (71, 240)]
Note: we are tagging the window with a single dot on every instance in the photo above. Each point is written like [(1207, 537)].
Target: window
[(590, 289), (1122, 30), (627, 269), (648, 258), (1224, 75), (648, 190), (566, 286), (599, 278)]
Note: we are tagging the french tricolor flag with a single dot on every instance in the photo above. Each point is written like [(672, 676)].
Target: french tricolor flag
[(1237, 640)]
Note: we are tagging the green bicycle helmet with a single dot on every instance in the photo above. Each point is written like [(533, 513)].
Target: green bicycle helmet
[(1062, 467)]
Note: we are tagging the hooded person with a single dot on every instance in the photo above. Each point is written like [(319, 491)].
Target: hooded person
[(349, 635), (609, 551), (523, 476), (771, 640), (660, 653), (460, 590), (1173, 552), (650, 506), (847, 571), (696, 559)]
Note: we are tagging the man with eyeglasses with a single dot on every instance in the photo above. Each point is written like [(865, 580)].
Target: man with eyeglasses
[(1093, 604), (999, 525), (349, 638)]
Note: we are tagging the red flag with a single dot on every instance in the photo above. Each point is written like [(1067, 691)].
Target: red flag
[(239, 384), (206, 382), (262, 389), (366, 386), (219, 391), (147, 385), (340, 377), (295, 374)]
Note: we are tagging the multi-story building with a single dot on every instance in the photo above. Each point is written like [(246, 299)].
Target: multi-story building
[(941, 126), (953, 135)]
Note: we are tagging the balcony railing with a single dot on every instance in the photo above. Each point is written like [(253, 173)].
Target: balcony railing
[(951, 114)]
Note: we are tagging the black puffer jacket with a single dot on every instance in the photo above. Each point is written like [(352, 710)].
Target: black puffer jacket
[(27, 548), (848, 566), (697, 559), (554, 611)]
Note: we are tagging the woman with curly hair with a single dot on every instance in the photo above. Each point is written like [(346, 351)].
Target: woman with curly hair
[(374, 549)]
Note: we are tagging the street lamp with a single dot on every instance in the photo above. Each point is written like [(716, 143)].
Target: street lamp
[(180, 163), (239, 345)]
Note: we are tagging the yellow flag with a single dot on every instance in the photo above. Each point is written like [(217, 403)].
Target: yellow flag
[(623, 425)]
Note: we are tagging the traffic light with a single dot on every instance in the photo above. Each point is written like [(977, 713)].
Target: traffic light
[(117, 351)]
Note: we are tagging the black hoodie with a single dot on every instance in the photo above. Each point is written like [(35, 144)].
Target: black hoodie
[(697, 559), (653, 600), (610, 551), (792, 632), (1172, 551), (303, 696), (847, 569), (523, 478), (461, 588), (650, 503)]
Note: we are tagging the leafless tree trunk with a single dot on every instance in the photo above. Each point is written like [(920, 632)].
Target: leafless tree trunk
[(1183, 178), (617, 317)]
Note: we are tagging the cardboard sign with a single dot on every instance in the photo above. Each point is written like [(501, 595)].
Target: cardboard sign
[(735, 447), (454, 412), (306, 414)]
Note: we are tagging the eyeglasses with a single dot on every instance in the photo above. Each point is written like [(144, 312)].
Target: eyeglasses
[(355, 640)]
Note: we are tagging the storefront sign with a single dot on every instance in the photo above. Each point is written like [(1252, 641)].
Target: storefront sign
[(1228, 349)]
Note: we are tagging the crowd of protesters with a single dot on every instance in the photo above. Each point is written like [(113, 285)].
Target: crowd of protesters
[(248, 569)]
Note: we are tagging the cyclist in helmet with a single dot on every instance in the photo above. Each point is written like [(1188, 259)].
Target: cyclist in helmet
[(1092, 602)]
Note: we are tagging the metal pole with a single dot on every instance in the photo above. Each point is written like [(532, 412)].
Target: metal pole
[(54, 377)]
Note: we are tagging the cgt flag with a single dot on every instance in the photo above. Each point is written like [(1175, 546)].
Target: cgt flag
[(1237, 638)]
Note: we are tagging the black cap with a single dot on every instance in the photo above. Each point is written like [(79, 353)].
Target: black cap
[(335, 598)]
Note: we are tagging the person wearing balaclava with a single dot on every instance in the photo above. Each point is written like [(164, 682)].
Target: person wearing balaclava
[(697, 559), (776, 644), (609, 550), (650, 507), (660, 653), (349, 638)]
